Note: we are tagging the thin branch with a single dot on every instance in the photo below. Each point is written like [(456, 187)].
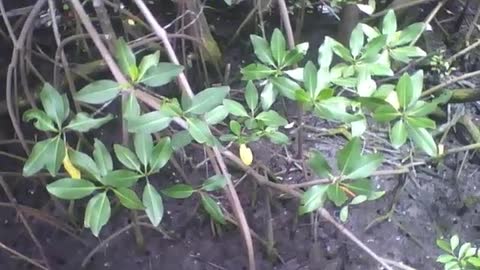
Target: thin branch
[(464, 51), (21, 256), (449, 82), (428, 20), (472, 26), (401, 6)]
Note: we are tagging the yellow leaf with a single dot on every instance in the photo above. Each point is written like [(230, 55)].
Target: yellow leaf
[(392, 98), (246, 154), (70, 168)]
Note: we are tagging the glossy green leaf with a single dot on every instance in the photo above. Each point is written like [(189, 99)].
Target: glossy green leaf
[(463, 249), (37, 159), (373, 47), (84, 163), (407, 52), (285, 86), (130, 107), (475, 261), (336, 109), (359, 199), (385, 113), (213, 209), (366, 86), (97, 213), (423, 139), (66, 107), (53, 104), (336, 194), (161, 154), (262, 50), (82, 122), (444, 245), (278, 137), (208, 99), (310, 79), (417, 86), (344, 214), (398, 134), (181, 139), (41, 120), (369, 31), (126, 59), (389, 25), (256, 72), (360, 186), (235, 127), (215, 182), (98, 92), (216, 115), (454, 242), (161, 74), (127, 157), (341, 51), (268, 96), (363, 166), (347, 155), (356, 40), (313, 199), (325, 54), (251, 96), (55, 156), (128, 198), (292, 57), (404, 90), (120, 178), (420, 122), (199, 130), (143, 144), (408, 34), (150, 122), (153, 204), (422, 108), (178, 191), (278, 46), (71, 189), (272, 118), (319, 164), (235, 108), (102, 157), (445, 258), (358, 127), (148, 61)]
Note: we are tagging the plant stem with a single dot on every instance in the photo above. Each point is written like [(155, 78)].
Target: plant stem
[(449, 82)]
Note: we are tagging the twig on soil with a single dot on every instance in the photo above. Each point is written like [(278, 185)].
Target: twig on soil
[(464, 51), (105, 23), (24, 221), (23, 257), (428, 20), (449, 82), (472, 26)]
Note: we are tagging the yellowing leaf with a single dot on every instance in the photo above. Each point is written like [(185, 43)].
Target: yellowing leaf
[(70, 168), (393, 100), (246, 154)]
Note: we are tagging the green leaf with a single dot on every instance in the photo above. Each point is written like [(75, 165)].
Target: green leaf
[(128, 198), (97, 213), (398, 134), (286, 86), (208, 99), (102, 157), (216, 115), (153, 204), (41, 120), (71, 189), (161, 74), (181, 139), (407, 52), (150, 122), (360, 187), (66, 107), (347, 155), (268, 96), (127, 157), (235, 108), (336, 108), (463, 250), (319, 164), (310, 79), (423, 139), (278, 47), (358, 127), (256, 72), (84, 163), (147, 62), (53, 104), (475, 261), (325, 54), (199, 130), (356, 40), (213, 209), (98, 92), (271, 118), (365, 85), (293, 57), (344, 214), (385, 113), (373, 47), (178, 191), (130, 107), (214, 183), (369, 31), (454, 242), (359, 199), (453, 266), (126, 59), (161, 154), (251, 96), (56, 155), (420, 122), (341, 51), (363, 166), (417, 85), (444, 245), (235, 127), (422, 108), (143, 143), (83, 123), (262, 50), (404, 90), (445, 258), (408, 34), (278, 137), (313, 199), (389, 25), (120, 178), (336, 194)]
